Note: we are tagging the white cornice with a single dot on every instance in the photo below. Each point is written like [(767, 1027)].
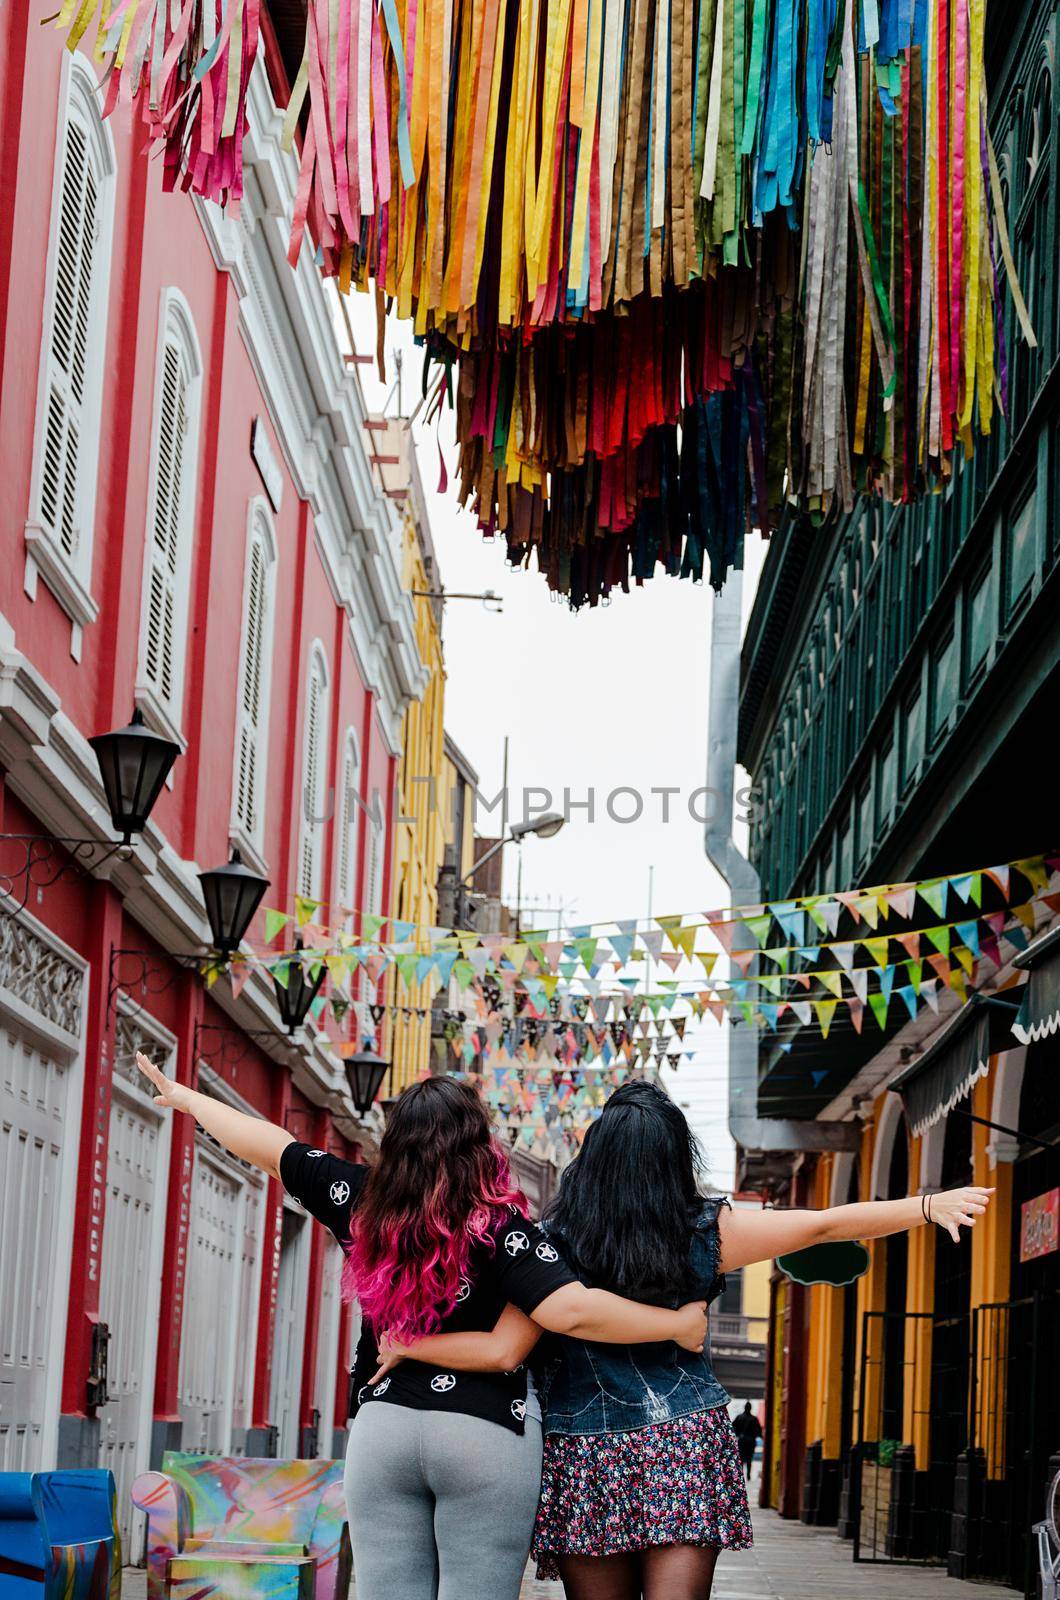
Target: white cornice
[(317, 410), (52, 771)]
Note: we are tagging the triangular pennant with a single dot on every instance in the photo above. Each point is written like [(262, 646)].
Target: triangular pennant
[(902, 900), (275, 922), (935, 893), (907, 993), (305, 909), (825, 1010), (759, 927)]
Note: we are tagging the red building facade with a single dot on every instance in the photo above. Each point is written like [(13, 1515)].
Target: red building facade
[(190, 526)]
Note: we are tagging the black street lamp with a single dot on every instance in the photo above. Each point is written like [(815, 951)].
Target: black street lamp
[(296, 996), (232, 893), (365, 1072), (134, 763)]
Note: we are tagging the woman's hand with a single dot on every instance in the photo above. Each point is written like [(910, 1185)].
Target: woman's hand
[(170, 1093), (391, 1354), (692, 1326), (955, 1209)]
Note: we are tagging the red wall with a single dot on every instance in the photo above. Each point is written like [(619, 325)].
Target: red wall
[(158, 242)]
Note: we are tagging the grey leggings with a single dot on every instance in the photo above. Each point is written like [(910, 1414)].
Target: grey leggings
[(441, 1505)]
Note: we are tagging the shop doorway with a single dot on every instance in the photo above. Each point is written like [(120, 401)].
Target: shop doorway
[(951, 1344)]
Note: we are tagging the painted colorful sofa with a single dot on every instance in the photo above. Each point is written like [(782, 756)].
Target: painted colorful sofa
[(235, 1526), (58, 1536)]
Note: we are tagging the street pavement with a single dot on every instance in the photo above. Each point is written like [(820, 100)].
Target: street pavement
[(793, 1562), (789, 1562)]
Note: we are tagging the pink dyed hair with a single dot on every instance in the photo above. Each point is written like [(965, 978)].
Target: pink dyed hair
[(441, 1185)]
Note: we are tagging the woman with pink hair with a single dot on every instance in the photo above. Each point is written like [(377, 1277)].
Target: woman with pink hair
[(443, 1466)]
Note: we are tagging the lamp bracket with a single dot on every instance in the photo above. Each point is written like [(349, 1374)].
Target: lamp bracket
[(47, 857), (143, 973), (233, 1044)]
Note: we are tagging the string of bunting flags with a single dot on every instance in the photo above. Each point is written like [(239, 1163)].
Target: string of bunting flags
[(676, 266), (584, 974), (775, 931)]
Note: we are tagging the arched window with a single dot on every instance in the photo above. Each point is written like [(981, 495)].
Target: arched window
[(69, 399), (314, 775), (349, 814), (170, 513), (252, 712), (373, 877)]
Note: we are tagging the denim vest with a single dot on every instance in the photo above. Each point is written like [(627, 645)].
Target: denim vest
[(612, 1388)]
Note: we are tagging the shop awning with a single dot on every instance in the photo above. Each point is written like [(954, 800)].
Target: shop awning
[(947, 1071), (1039, 1015)]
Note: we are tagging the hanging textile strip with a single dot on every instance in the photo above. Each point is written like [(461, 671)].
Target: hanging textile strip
[(187, 65), (624, 218)]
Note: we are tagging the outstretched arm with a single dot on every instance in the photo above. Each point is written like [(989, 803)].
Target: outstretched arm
[(574, 1310), (610, 1319), (250, 1138), (748, 1236)]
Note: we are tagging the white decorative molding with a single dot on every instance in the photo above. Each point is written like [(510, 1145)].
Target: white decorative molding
[(55, 775), (41, 976), (135, 1029), (27, 702), (888, 1124), (157, 716), (68, 573), (61, 577), (316, 407), (1005, 1104)]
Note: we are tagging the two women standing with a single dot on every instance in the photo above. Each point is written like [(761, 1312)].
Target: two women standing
[(641, 1483)]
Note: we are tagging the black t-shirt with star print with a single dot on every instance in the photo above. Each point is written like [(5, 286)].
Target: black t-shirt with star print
[(520, 1266)]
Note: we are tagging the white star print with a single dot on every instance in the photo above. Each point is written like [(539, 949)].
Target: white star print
[(515, 1243), (463, 1291), (381, 1388), (519, 1409), (443, 1382), (340, 1192), (313, 1155), (546, 1252)]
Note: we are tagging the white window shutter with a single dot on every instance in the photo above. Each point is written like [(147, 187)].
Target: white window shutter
[(348, 824), (374, 888), (77, 233), (166, 527), (313, 782), (250, 731)]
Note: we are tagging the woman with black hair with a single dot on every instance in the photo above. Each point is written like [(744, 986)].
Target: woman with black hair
[(642, 1483)]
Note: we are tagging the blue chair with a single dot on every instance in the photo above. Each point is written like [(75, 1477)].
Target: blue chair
[(58, 1536)]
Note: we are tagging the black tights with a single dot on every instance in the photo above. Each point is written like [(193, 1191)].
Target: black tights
[(667, 1572)]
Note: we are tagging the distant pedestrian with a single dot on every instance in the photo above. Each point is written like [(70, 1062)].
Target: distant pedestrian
[(748, 1431)]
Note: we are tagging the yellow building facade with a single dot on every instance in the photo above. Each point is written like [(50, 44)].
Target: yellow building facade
[(419, 832), (918, 1407)]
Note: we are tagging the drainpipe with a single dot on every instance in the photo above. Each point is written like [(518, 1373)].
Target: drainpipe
[(752, 1132)]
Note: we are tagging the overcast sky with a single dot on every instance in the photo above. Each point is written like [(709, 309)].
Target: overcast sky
[(593, 702)]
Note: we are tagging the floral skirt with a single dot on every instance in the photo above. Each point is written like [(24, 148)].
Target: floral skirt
[(675, 1482)]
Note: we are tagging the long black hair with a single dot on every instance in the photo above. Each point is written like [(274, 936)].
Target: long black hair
[(628, 1201)]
